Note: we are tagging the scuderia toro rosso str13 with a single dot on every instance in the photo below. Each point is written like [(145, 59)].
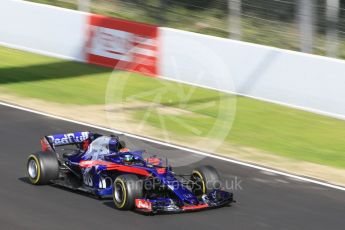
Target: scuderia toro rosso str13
[(104, 167)]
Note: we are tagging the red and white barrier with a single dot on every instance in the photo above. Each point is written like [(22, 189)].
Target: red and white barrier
[(75, 35), (122, 44)]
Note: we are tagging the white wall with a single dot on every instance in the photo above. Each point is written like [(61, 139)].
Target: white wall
[(312, 82), (43, 29)]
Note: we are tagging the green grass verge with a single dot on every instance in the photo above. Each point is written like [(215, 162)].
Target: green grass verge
[(273, 128)]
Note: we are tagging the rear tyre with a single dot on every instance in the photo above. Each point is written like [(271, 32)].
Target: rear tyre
[(42, 167), (126, 189), (205, 179)]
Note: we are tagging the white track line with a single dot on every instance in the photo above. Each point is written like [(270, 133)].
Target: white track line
[(177, 147)]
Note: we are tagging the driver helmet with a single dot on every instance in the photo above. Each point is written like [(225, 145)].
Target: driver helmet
[(128, 159)]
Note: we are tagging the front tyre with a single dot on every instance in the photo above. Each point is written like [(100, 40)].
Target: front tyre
[(205, 179), (42, 167), (126, 189)]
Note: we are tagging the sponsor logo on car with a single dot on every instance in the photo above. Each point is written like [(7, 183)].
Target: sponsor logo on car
[(143, 204), (188, 196), (69, 138)]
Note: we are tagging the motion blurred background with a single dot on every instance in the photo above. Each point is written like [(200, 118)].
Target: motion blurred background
[(220, 89), (312, 26)]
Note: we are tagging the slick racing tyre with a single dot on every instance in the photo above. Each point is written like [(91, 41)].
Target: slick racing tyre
[(126, 189), (42, 167), (205, 179)]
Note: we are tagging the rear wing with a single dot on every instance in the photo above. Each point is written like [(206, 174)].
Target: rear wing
[(52, 141)]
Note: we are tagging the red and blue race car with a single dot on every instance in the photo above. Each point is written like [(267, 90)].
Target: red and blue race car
[(103, 166)]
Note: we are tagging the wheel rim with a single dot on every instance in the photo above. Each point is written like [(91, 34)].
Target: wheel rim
[(198, 184), (32, 168), (118, 193)]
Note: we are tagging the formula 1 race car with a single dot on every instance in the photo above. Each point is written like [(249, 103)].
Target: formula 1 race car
[(103, 166)]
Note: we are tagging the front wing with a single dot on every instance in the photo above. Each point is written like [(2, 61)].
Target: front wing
[(215, 199)]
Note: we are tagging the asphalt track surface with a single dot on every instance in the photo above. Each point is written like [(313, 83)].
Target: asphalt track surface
[(264, 200)]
